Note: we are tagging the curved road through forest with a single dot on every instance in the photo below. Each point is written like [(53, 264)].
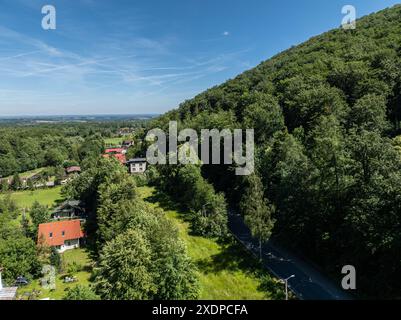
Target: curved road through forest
[(308, 283)]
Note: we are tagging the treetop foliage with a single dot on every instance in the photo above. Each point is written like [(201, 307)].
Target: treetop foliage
[(326, 114)]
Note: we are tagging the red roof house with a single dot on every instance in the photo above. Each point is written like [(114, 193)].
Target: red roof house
[(115, 150), (118, 153), (63, 235), (120, 157), (73, 169)]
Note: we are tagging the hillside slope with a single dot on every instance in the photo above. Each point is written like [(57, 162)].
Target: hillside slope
[(326, 116), (355, 62)]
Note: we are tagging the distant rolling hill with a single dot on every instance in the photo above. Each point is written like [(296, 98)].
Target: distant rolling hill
[(76, 118)]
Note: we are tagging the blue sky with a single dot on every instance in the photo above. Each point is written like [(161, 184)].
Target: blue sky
[(131, 56)]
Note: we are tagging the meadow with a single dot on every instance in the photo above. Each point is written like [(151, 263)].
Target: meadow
[(25, 199), (113, 141), (225, 270)]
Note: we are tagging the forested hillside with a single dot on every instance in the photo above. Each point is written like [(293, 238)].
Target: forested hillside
[(326, 116)]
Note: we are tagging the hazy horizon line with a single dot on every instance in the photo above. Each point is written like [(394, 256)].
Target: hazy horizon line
[(78, 115)]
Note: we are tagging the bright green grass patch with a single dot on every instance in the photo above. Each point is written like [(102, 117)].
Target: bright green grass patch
[(113, 141), (25, 199), (79, 256), (226, 271), (28, 174)]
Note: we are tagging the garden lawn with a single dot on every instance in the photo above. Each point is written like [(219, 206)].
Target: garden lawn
[(113, 141), (226, 271), (28, 174), (81, 257), (26, 198)]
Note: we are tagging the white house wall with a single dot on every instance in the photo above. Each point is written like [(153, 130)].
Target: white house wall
[(72, 244)]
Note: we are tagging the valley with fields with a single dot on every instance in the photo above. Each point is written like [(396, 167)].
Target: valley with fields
[(185, 164)]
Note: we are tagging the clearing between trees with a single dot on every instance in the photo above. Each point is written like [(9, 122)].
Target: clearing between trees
[(225, 271)]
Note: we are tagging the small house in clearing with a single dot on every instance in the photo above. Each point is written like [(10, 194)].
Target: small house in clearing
[(127, 143), (124, 131), (73, 170), (63, 235), (115, 151), (71, 209), (137, 165)]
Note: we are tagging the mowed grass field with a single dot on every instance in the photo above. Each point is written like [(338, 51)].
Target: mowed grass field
[(113, 141), (26, 198), (28, 174), (226, 271), (79, 256)]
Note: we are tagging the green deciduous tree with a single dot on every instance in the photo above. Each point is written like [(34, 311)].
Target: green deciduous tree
[(81, 293), (54, 158), (4, 185), (8, 165), (18, 257), (187, 186), (55, 258), (257, 211), (369, 113), (16, 182), (125, 268), (39, 214), (264, 116), (135, 239), (174, 271)]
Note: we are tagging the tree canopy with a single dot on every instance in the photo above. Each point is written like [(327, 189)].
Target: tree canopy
[(326, 115)]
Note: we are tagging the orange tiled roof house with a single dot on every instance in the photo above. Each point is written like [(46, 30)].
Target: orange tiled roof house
[(117, 153), (63, 235)]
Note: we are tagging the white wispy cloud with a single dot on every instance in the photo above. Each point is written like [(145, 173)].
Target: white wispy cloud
[(124, 65)]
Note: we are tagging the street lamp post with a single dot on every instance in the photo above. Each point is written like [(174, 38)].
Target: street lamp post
[(286, 285)]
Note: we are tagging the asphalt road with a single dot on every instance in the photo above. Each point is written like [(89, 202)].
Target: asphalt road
[(308, 283)]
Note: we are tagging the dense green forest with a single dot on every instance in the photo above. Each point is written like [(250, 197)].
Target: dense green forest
[(327, 117), (27, 147)]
